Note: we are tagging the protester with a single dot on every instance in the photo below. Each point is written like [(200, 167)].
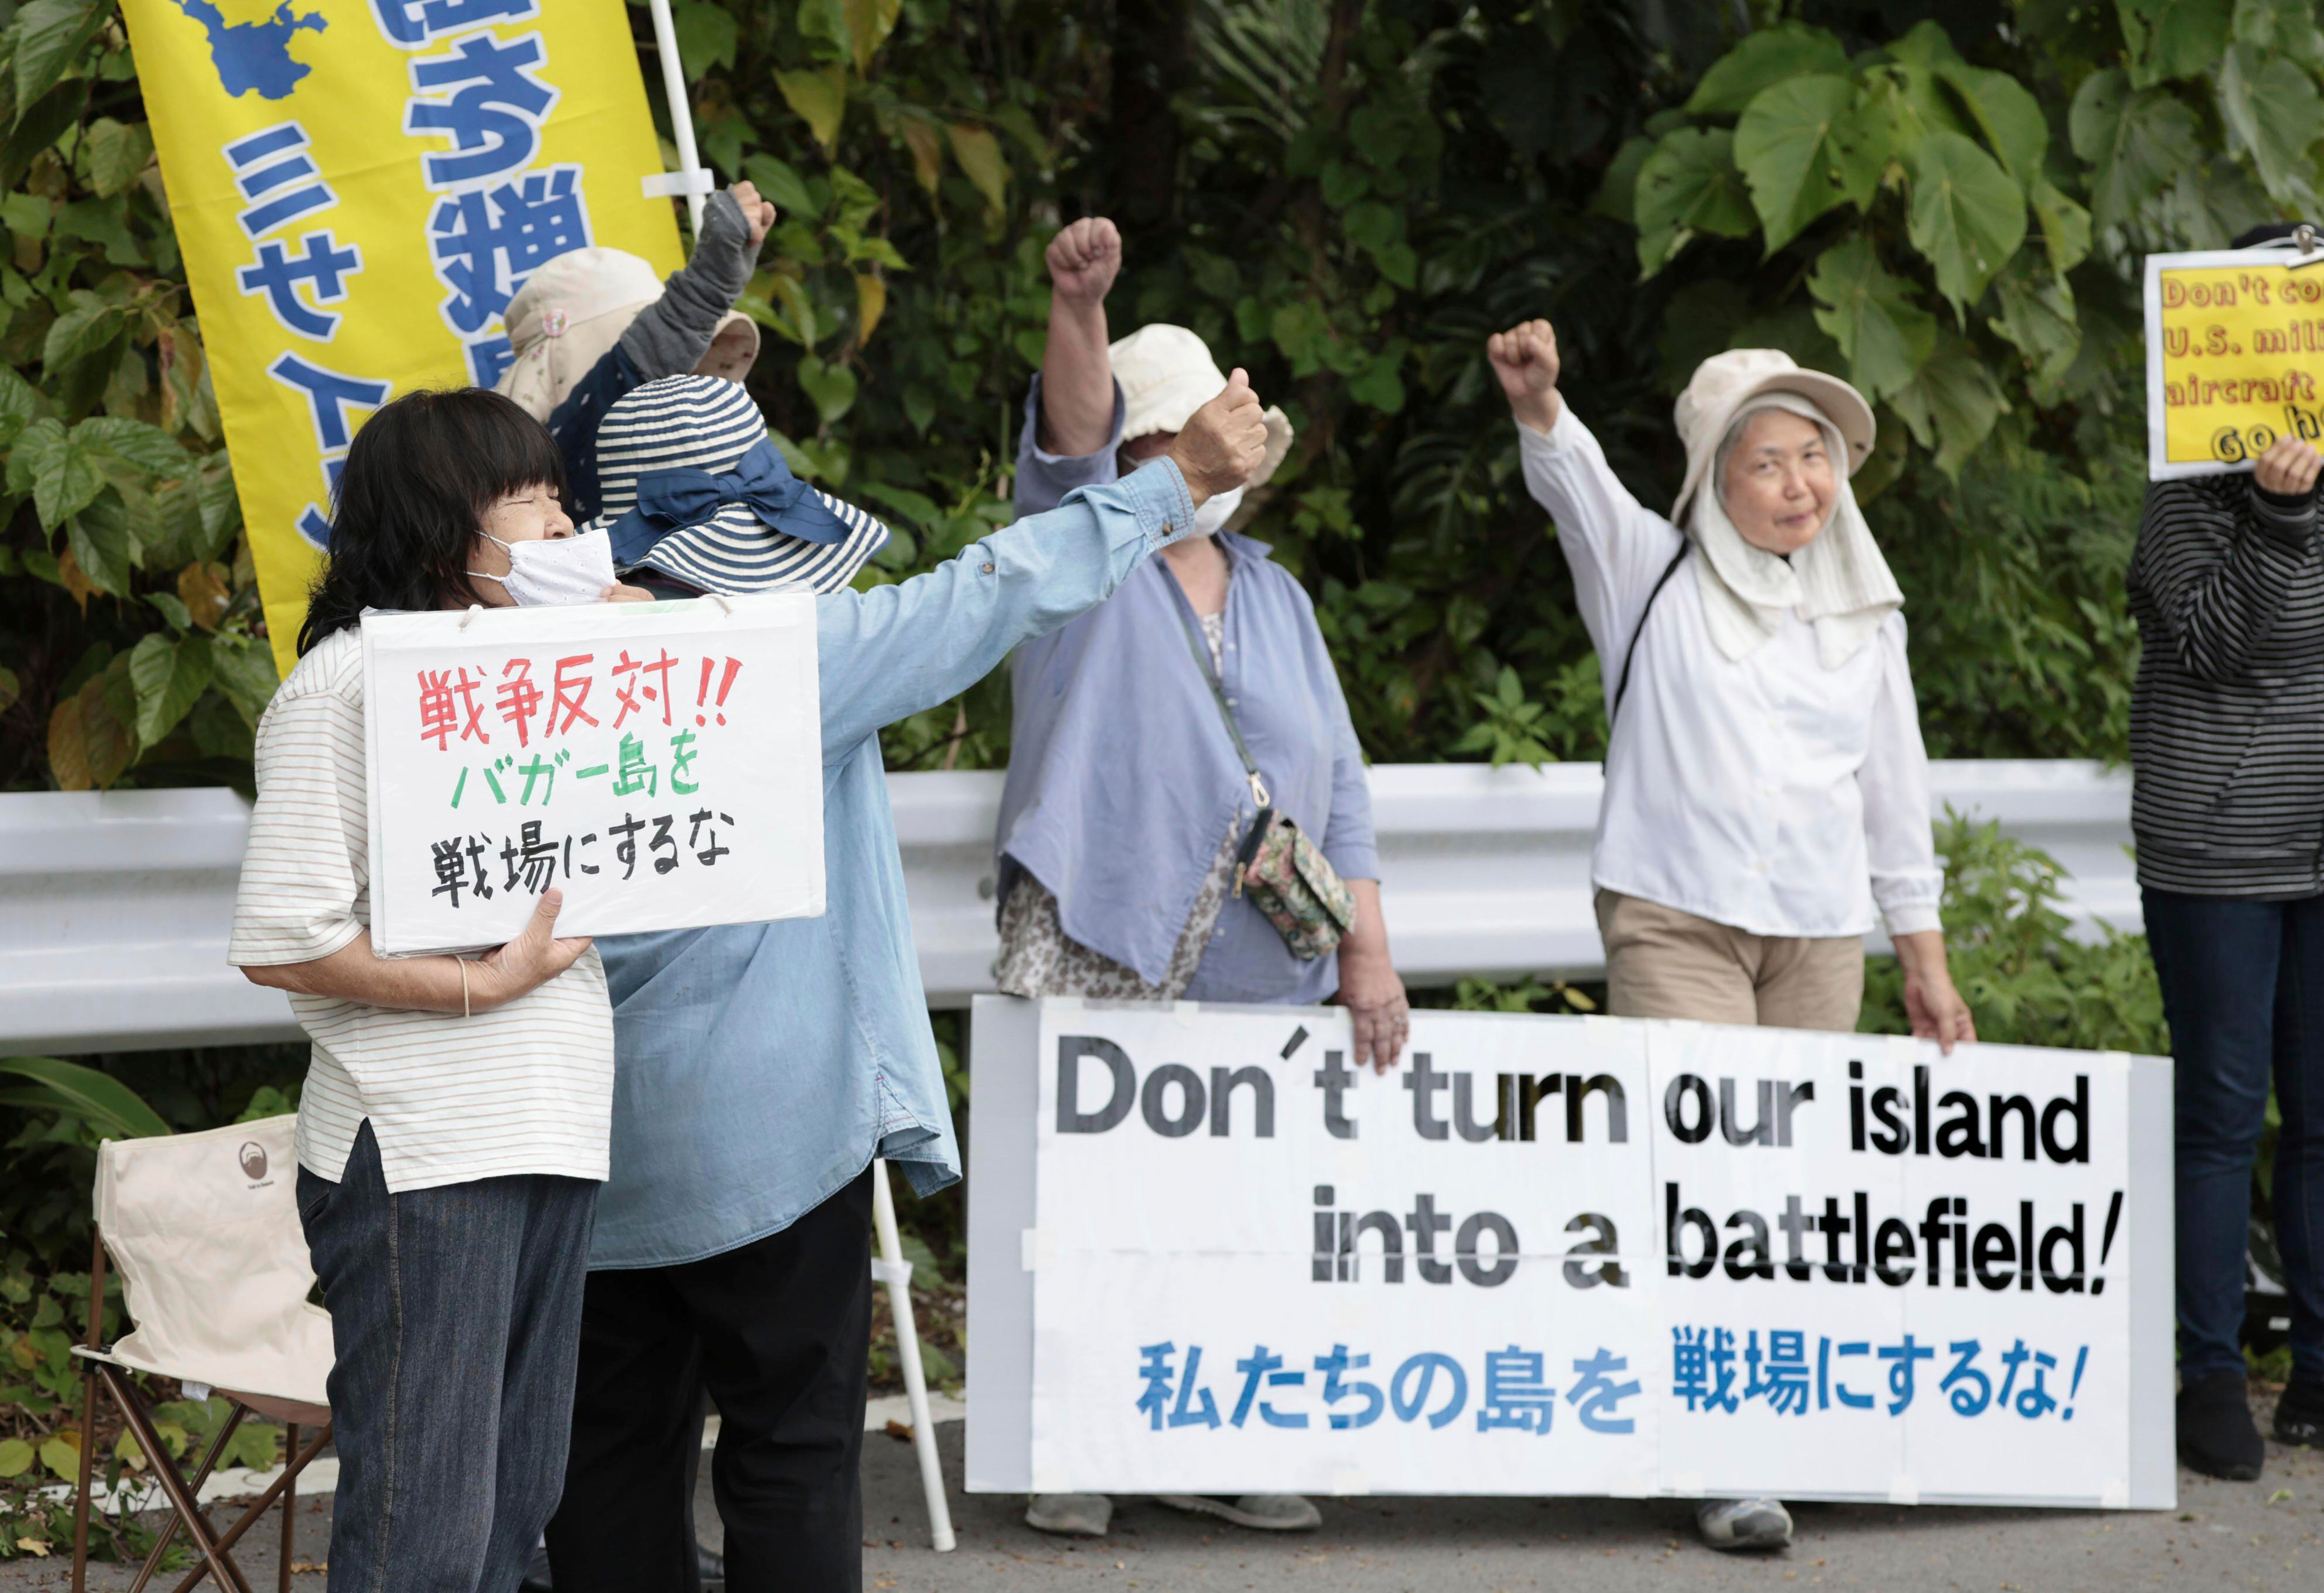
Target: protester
[(593, 323), (2227, 811), (1765, 784), (763, 1066), (1119, 854), (452, 1129)]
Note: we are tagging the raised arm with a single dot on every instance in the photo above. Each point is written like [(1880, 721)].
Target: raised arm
[(2217, 578), (1072, 420), (1616, 548), (897, 650)]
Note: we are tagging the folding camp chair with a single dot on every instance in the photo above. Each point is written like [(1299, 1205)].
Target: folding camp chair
[(204, 1229), (890, 1269)]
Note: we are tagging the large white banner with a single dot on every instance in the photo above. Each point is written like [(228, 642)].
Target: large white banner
[(660, 763), (1561, 1255)]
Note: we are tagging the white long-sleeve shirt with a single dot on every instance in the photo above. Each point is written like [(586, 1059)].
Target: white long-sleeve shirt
[(1768, 792)]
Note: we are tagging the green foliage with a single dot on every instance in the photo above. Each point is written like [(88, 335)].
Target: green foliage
[(2026, 979)]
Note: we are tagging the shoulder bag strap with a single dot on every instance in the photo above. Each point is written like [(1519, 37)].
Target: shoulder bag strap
[(1622, 686), (1259, 792)]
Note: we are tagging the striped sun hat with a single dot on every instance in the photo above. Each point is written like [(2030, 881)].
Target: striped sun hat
[(693, 488)]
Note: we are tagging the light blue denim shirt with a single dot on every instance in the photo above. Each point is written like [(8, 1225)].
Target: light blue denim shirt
[(1123, 780), (760, 1067)]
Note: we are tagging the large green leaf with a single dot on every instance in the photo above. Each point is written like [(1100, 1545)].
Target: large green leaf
[(819, 97), (2283, 27), (707, 36), (2136, 142), (2065, 227), (1761, 61), (48, 34), (57, 1085), (1869, 313), (2174, 38), (780, 185), (2273, 113), (2007, 113), (170, 678), (143, 448), (103, 543), (1690, 185), (2037, 314), (979, 154), (246, 673), (115, 153), (62, 476), (1804, 151), (1967, 218), (1952, 403)]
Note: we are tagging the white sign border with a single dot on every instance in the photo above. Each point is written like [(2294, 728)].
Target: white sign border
[(1002, 1130)]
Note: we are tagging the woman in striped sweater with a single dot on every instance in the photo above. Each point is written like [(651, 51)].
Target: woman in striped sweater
[(2227, 735)]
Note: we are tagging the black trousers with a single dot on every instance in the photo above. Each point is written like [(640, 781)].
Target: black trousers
[(779, 1332)]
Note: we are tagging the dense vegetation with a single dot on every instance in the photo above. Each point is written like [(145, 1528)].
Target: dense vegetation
[(1945, 203)]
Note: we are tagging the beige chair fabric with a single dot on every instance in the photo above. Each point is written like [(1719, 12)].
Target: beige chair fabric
[(204, 1230)]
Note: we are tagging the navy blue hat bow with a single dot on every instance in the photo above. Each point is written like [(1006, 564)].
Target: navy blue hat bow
[(759, 481)]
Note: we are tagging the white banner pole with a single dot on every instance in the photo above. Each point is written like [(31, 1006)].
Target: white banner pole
[(681, 115)]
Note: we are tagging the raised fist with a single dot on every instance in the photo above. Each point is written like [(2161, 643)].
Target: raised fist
[(1524, 358), (1222, 447), (2289, 468), (1085, 258)]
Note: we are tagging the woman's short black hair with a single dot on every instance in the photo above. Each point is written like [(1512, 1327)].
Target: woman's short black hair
[(421, 475)]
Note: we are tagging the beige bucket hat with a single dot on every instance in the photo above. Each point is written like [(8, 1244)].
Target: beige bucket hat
[(1167, 373), (1723, 383), (572, 310)]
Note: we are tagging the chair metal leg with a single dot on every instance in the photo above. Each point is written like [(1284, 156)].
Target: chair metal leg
[(169, 1532), (289, 1509), (166, 1473), (282, 1486), (897, 1272), (95, 1330), (87, 1460)]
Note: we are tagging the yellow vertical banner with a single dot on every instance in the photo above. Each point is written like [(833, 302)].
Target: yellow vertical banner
[(359, 187)]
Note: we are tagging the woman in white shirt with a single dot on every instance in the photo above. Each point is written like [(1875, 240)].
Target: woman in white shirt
[(453, 1127), (1765, 785)]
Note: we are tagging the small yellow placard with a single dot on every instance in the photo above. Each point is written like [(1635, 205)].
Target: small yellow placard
[(2235, 357)]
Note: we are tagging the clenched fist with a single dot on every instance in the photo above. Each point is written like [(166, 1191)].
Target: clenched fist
[(1220, 447), (1085, 258), (1524, 358), (2289, 468)]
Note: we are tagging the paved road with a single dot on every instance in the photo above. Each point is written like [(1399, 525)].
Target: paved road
[(2224, 1535)]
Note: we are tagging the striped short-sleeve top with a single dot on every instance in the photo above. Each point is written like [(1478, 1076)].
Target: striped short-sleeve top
[(525, 1088), (2227, 723)]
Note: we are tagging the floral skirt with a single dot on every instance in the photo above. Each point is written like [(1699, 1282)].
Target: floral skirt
[(1038, 958)]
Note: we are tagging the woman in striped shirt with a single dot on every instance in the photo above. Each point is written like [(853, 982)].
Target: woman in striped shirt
[(453, 1127), (2227, 736)]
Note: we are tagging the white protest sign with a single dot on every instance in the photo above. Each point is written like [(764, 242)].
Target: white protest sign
[(660, 763), (1561, 1255)]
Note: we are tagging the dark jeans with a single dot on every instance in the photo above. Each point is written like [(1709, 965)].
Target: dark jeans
[(2243, 987), (456, 1313), (779, 1332)]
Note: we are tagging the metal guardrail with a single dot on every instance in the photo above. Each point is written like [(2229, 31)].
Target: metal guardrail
[(114, 907)]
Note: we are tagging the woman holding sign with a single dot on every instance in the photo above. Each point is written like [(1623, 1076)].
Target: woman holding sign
[(1765, 786), (2227, 736), (452, 1130)]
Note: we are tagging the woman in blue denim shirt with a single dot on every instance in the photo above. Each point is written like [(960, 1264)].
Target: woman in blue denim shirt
[(1126, 798)]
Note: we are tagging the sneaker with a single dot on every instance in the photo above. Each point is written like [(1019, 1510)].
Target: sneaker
[(1265, 1512), (1744, 1523), (1071, 1515), (2217, 1434), (2299, 1415)]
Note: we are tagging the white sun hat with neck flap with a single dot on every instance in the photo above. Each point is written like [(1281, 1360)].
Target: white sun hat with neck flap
[(1725, 382), (1167, 373)]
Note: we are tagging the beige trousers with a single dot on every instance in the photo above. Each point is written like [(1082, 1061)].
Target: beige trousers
[(1662, 963)]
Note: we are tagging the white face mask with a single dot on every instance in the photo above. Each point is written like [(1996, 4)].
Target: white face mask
[(1217, 509), (554, 572)]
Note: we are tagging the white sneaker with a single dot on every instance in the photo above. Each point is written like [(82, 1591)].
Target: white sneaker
[(1744, 1523), (1072, 1516), (1265, 1513)]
